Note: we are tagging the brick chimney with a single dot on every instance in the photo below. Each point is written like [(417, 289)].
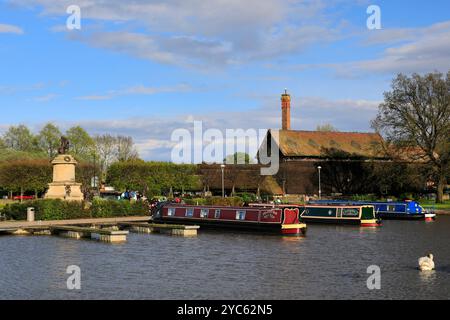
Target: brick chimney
[(285, 111)]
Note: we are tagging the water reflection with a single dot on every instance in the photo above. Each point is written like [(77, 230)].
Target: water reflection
[(427, 277)]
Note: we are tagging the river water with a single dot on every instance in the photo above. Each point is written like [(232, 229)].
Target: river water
[(329, 263)]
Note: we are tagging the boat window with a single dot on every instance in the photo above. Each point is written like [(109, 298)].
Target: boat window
[(217, 214), (240, 215), (339, 212), (390, 208), (189, 212), (204, 213), (350, 212), (171, 212)]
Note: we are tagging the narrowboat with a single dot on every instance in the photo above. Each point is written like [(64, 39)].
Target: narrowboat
[(406, 210), (362, 215), (282, 221)]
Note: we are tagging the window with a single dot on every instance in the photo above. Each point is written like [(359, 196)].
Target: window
[(217, 214), (312, 143), (350, 212), (355, 145), (204, 213), (390, 208), (240, 215), (171, 212), (189, 212), (334, 144)]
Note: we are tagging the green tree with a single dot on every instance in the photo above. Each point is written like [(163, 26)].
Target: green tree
[(25, 175), (81, 143), (238, 158), (416, 114), (49, 139)]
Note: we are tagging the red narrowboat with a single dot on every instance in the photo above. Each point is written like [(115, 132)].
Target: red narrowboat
[(283, 221)]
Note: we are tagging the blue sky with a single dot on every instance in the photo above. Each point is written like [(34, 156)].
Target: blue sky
[(144, 68)]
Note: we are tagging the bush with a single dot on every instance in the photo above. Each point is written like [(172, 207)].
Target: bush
[(50, 209), (230, 201), (117, 208)]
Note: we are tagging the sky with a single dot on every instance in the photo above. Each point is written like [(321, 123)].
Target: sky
[(145, 68)]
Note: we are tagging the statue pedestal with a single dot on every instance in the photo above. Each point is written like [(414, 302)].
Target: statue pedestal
[(64, 186)]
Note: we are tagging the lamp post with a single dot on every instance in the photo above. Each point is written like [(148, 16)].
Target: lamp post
[(320, 190), (222, 167)]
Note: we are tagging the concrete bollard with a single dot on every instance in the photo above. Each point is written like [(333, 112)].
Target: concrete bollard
[(30, 214)]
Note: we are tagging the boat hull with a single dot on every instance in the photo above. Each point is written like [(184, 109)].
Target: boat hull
[(276, 221), (287, 230), (401, 216)]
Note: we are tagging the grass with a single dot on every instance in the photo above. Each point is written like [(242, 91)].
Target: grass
[(5, 202), (437, 206)]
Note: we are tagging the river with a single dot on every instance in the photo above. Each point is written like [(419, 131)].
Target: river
[(329, 263)]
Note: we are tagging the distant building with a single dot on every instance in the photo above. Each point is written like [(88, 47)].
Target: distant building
[(344, 159)]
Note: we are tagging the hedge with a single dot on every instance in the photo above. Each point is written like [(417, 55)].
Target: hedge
[(216, 201), (60, 210)]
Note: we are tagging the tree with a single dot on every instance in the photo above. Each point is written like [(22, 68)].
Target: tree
[(416, 114), (326, 128), (238, 158), (105, 149), (25, 175), (49, 139), (19, 138), (125, 149), (81, 143)]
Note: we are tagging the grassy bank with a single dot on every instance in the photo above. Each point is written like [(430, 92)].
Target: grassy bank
[(430, 204)]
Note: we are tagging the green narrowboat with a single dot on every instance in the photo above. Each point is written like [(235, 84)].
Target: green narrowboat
[(363, 215)]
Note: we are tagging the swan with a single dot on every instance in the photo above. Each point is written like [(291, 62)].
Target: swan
[(426, 263)]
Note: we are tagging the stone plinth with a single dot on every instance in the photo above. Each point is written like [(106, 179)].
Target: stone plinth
[(64, 185)]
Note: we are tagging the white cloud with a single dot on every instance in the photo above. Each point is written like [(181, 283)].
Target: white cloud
[(8, 28), (418, 50), (199, 33), (152, 134), (138, 90), (46, 97)]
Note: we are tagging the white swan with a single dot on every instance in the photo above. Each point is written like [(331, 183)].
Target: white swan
[(426, 263)]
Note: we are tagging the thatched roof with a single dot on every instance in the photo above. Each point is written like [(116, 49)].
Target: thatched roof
[(293, 143)]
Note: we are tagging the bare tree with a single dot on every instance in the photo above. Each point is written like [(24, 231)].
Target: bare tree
[(125, 148), (416, 115), (105, 146)]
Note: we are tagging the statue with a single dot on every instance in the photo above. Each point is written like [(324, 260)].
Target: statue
[(64, 147), (64, 185)]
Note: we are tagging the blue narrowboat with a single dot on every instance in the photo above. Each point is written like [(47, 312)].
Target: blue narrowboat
[(407, 210)]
